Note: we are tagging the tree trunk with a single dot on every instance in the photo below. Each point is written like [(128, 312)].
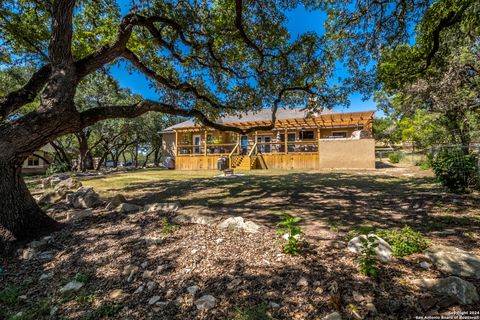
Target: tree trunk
[(135, 155), (19, 212), (82, 151), (156, 157)]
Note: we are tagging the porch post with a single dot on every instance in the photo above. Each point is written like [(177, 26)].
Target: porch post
[(318, 140), (285, 140), (238, 141), (176, 144), (205, 142)]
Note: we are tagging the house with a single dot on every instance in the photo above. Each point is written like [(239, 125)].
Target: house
[(39, 161), (328, 140)]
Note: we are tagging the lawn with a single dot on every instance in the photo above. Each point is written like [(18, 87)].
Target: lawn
[(327, 201)]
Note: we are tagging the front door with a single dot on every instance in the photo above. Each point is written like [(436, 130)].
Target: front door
[(243, 144), (197, 140)]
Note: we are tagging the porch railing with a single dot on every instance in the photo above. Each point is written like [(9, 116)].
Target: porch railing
[(229, 149)]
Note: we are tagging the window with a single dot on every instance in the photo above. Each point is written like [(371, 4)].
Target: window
[(339, 134), (306, 135), (33, 162)]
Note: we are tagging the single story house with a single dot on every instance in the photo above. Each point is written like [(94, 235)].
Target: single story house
[(299, 140), (39, 161)]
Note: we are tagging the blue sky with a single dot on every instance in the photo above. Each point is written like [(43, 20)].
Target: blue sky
[(299, 21)]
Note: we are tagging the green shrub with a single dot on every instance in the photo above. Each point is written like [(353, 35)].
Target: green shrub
[(426, 163), (368, 264), (57, 168), (456, 170), (289, 225), (167, 227), (252, 312), (394, 157), (404, 241)]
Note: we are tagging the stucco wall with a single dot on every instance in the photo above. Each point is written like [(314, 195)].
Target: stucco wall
[(168, 145), (347, 154)]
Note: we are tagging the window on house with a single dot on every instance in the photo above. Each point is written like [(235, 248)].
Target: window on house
[(306, 135), (339, 134), (33, 161)]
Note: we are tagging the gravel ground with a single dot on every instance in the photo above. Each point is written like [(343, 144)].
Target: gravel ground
[(238, 269)]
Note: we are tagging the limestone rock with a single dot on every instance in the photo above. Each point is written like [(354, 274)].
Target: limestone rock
[(46, 276), (68, 184), (28, 254), (163, 206), (193, 289), (383, 249), (303, 282), (151, 285), (116, 201), (205, 302), (52, 197), (72, 286), (128, 208), (84, 198), (333, 316), (77, 215), (454, 261), (196, 215), (463, 290), (239, 224), (153, 300)]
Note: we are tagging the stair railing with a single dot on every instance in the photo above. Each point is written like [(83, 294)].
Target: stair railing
[(231, 154)]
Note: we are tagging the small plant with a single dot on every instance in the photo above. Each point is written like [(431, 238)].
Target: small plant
[(106, 310), (289, 226), (252, 312), (40, 310), (404, 241), (368, 264), (85, 298), (84, 277), (9, 295), (167, 227), (394, 157)]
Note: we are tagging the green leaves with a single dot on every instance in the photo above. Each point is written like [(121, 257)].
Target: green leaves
[(289, 226)]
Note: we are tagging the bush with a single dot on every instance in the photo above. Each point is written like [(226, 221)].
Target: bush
[(404, 241), (394, 157), (456, 169), (57, 168)]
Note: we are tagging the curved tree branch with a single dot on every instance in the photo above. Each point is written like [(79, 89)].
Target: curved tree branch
[(17, 99)]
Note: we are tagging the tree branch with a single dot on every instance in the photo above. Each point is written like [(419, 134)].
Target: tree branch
[(183, 86), (17, 99), (60, 47)]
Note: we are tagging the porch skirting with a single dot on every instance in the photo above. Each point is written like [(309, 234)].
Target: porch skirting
[(333, 154)]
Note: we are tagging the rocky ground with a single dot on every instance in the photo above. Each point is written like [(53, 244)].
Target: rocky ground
[(121, 260)]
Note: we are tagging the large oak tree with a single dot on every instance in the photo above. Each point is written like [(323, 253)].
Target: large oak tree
[(204, 59)]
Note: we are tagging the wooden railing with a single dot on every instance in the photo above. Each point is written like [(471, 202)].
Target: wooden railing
[(232, 153)]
